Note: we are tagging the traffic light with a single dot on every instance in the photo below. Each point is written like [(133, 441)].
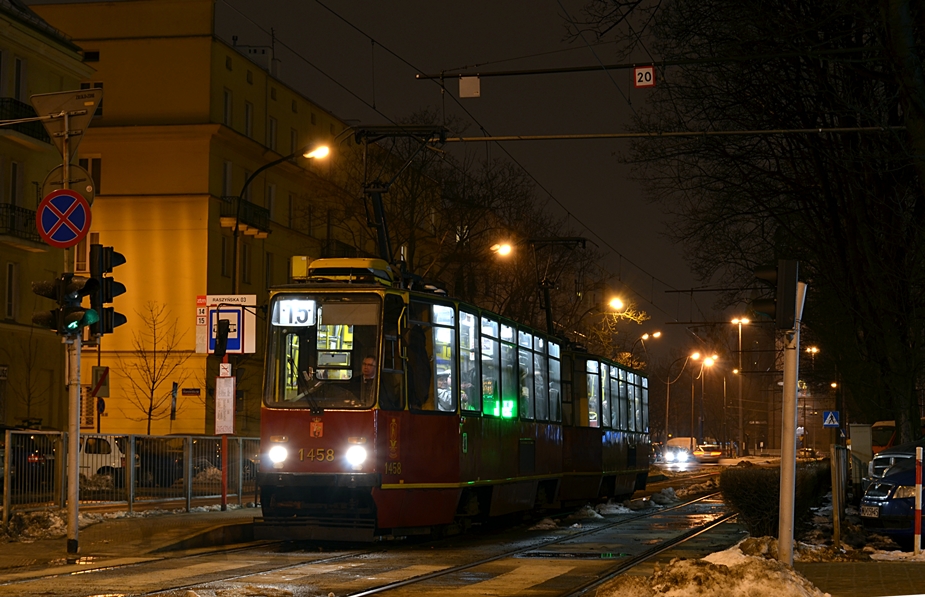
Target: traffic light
[(222, 328), (68, 291), (782, 307), (102, 261)]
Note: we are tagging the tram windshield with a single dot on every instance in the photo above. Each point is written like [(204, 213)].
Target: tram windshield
[(321, 351)]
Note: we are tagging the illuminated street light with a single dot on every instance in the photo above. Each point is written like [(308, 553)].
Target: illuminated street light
[(311, 151)]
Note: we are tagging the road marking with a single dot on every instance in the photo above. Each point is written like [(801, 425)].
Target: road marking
[(516, 581)]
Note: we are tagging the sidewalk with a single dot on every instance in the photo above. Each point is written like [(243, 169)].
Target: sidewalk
[(128, 540)]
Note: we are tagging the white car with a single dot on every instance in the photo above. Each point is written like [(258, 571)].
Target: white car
[(103, 455)]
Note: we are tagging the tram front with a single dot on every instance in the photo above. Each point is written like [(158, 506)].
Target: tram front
[(318, 461)]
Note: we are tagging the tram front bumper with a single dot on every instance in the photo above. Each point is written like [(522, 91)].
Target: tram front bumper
[(349, 480)]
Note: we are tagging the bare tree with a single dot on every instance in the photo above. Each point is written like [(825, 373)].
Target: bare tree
[(29, 382), (155, 362), (849, 205)]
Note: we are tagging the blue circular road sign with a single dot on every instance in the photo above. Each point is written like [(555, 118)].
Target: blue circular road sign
[(63, 218)]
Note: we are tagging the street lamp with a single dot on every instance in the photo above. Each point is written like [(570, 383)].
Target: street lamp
[(740, 321), (311, 151), (707, 363), (642, 339), (668, 390)]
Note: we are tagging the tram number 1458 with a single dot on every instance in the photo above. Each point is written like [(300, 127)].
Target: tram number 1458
[(317, 454), (393, 468)]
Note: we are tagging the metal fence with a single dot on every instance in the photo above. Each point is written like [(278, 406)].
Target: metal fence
[(172, 471)]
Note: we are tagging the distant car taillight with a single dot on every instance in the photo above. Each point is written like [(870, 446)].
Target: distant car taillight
[(35, 458)]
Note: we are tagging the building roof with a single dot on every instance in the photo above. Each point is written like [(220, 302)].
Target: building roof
[(22, 13)]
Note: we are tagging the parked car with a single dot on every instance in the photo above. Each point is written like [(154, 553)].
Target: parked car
[(708, 453), (103, 455), (31, 460), (889, 457), (160, 460), (888, 505)]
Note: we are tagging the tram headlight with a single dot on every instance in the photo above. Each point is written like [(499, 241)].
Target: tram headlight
[(278, 455), (356, 455)]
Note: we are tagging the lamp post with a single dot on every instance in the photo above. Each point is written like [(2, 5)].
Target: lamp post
[(668, 390), (311, 151), (707, 362), (695, 356), (740, 321), (642, 339)]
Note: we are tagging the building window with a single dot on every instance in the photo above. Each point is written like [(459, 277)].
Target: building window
[(271, 200), (246, 263), (95, 167), (226, 257), (272, 93), (19, 79), (249, 119), (268, 269), (295, 107), (15, 184), (95, 85), (226, 114), (226, 180), (250, 77), (228, 62), (11, 291), (91, 55), (271, 133), (293, 140)]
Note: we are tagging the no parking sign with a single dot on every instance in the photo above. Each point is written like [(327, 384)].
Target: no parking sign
[(63, 218)]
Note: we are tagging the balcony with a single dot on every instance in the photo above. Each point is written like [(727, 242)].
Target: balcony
[(251, 219), (17, 228), (12, 109)]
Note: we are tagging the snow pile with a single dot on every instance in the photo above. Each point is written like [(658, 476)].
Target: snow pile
[(665, 497), (52, 524), (586, 512), (611, 508), (729, 572), (208, 475), (547, 524), (708, 486)]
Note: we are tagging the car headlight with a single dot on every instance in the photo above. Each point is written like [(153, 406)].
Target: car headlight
[(683, 456), (904, 491), (669, 456), (278, 454), (356, 455)]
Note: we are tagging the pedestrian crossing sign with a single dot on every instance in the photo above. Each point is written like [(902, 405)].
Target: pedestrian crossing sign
[(830, 418)]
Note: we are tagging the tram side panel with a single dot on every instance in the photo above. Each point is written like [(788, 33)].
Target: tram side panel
[(420, 468)]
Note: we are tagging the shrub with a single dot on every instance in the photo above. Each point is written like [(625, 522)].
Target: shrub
[(754, 494)]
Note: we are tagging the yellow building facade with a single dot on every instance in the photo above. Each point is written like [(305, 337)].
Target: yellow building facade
[(34, 58), (185, 120)]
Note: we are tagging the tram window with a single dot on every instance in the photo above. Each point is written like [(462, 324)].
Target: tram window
[(470, 398), (594, 395), (555, 388), (444, 315), (616, 410), (391, 378), (631, 403), (526, 384), (645, 405), (489, 327), (637, 403), (525, 339), (625, 409), (491, 390), (507, 333), (540, 383), (419, 312), (445, 362), (605, 396), (508, 380)]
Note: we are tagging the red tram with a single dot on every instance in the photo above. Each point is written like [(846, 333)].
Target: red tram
[(396, 412)]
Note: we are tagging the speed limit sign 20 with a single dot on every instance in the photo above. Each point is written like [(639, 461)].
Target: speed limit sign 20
[(644, 76)]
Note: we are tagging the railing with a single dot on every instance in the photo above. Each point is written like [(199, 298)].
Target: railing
[(249, 213), (13, 109), (169, 470), (18, 221)]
